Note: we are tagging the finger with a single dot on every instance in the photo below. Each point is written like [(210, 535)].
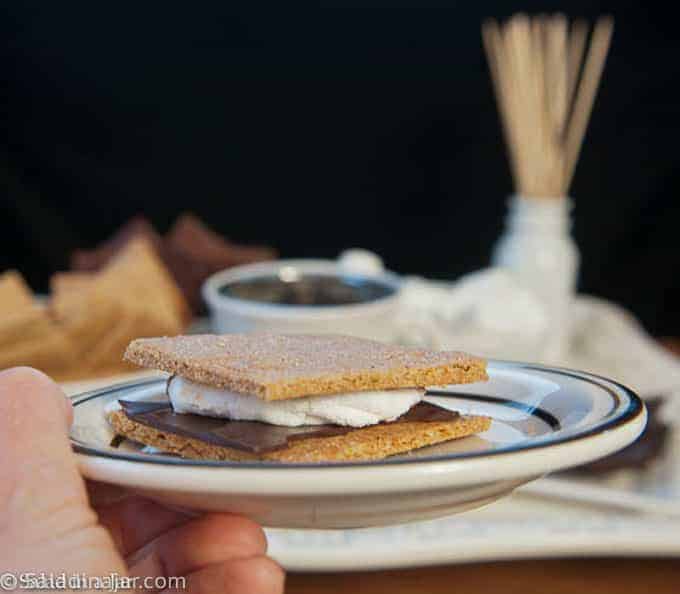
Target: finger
[(68, 410), (257, 575), (40, 487), (209, 540), (135, 521), (44, 512), (102, 495)]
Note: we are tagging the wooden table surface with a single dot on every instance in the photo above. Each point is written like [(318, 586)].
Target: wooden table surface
[(574, 576), (561, 576)]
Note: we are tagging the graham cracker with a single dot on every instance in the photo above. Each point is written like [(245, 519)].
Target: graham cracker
[(368, 443), (24, 324), (137, 276), (90, 320), (64, 283), (107, 354), (279, 367), (133, 296), (192, 236), (90, 317), (28, 334), (93, 260), (51, 352), (15, 294)]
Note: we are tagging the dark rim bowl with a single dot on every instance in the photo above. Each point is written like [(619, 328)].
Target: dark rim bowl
[(311, 281)]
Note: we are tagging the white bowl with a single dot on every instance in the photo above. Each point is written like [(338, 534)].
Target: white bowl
[(544, 420), (371, 319)]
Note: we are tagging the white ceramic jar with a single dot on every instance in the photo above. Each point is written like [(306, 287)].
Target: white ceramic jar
[(539, 251)]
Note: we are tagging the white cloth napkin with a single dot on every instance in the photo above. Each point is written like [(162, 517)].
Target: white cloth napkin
[(489, 314)]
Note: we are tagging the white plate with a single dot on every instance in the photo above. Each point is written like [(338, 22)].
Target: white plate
[(544, 419)]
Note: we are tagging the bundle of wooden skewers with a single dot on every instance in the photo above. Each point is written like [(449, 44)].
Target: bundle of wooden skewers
[(545, 76)]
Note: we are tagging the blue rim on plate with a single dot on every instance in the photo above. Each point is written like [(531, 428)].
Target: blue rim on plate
[(626, 407)]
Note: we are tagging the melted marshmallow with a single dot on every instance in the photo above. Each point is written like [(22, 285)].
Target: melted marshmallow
[(357, 409)]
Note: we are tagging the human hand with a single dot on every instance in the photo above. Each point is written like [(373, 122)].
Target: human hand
[(49, 524)]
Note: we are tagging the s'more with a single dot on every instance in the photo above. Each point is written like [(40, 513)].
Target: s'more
[(294, 398)]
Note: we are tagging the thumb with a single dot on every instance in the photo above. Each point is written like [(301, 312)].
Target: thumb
[(46, 523)]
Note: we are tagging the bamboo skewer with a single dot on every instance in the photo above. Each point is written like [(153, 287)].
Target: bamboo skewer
[(557, 71), (544, 99), (576, 49), (556, 79), (585, 96), (492, 39)]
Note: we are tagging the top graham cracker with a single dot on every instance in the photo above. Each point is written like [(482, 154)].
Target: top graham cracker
[(279, 367)]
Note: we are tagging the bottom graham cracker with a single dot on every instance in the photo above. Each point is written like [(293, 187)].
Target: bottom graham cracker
[(367, 443)]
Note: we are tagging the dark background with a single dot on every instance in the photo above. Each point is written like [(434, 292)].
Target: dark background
[(317, 127)]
